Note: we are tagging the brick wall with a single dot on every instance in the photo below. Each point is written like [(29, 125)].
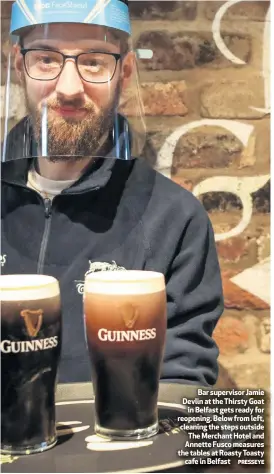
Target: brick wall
[(206, 97), (206, 94)]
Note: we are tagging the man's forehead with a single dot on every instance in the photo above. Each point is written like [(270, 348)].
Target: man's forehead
[(72, 32)]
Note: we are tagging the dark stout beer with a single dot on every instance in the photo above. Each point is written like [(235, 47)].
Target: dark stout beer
[(30, 351), (125, 315)]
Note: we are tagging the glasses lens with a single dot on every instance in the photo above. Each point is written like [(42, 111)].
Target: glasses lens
[(96, 67), (42, 64)]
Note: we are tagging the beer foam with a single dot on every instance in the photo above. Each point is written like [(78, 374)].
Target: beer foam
[(130, 282), (27, 287)]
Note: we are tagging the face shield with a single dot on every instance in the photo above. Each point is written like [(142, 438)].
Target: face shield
[(72, 87)]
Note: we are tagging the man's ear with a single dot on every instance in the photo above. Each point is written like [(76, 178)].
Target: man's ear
[(128, 66), (18, 62)]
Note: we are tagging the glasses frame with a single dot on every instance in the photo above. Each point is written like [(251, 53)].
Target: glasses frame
[(117, 57)]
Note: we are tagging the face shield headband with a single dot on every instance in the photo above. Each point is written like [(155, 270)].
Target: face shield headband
[(109, 13)]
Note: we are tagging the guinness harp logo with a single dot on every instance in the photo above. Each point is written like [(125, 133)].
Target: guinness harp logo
[(33, 320), (129, 314)]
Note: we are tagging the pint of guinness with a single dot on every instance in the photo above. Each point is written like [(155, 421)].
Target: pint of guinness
[(125, 319), (30, 352)]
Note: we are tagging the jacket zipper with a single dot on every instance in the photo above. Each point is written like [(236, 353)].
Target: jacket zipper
[(48, 215), (44, 243)]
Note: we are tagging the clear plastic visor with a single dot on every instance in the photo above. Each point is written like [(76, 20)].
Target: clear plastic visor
[(72, 90)]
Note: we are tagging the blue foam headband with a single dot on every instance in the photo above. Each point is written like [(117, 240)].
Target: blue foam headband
[(110, 13)]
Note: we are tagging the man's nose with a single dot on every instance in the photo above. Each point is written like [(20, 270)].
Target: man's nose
[(69, 85)]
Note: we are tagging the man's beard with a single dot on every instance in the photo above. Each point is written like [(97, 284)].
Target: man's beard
[(69, 139)]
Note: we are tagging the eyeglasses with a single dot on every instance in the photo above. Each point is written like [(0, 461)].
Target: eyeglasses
[(46, 65)]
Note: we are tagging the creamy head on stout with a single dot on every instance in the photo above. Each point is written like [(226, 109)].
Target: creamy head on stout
[(131, 285), (129, 282), (29, 291), (28, 287)]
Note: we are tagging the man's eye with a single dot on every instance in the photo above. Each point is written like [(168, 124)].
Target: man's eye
[(95, 65), (47, 60)]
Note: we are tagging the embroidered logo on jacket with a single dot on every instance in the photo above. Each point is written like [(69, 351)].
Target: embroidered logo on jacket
[(3, 259), (97, 267)]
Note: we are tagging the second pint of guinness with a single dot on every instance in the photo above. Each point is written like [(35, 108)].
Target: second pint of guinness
[(125, 318), (30, 351)]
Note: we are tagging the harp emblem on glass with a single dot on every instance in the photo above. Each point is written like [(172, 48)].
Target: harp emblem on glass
[(33, 320), (130, 314)]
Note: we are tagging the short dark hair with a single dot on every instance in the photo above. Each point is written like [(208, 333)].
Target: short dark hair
[(122, 38)]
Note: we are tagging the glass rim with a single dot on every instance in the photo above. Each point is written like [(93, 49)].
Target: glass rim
[(129, 276)]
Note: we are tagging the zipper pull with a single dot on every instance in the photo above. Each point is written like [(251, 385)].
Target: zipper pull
[(47, 203)]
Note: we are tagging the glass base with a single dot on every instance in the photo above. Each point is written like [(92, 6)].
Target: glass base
[(124, 435), (34, 449)]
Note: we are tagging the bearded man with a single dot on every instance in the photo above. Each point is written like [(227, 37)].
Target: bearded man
[(78, 197)]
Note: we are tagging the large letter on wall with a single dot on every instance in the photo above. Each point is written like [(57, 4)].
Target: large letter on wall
[(165, 156)]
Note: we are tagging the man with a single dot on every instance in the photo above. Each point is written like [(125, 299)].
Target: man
[(68, 211)]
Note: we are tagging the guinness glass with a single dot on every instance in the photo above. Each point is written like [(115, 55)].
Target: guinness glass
[(30, 351), (125, 317)]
